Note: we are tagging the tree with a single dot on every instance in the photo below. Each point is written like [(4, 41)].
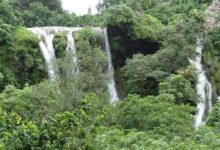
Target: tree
[(27, 62), (54, 5), (142, 74), (8, 15), (181, 88), (119, 15), (135, 5), (146, 27), (156, 115), (37, 15)]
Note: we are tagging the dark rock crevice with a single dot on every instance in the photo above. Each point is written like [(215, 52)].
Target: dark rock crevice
[(123, 46)]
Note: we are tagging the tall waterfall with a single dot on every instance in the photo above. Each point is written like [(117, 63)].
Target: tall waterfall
[(46, 34), (203, 86), (111, 85), (47, 49), (71, 49)]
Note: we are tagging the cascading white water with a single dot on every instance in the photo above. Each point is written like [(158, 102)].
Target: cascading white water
[(203, 87), (46, 46), (111, 85), (72, 50), (46, 34)]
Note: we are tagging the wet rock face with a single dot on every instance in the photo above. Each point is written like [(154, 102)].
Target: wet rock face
[(211, 14)]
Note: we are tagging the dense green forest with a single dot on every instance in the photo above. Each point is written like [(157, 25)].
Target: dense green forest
[(151, 42)]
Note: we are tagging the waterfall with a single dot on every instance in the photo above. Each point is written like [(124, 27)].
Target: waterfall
[(46, 35), (203, 87), (46, 46), (71, 49), (111, 85)]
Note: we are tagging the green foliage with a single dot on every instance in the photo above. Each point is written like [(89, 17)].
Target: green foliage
[(60, 43), (214, 117), (92, 35), (49, 13), (92, 60), (146, 27), (37, 15), (141, 75), (27, 61), (115, 139), (156, 115), (5, 33), (90, 20), (65, 130), (8, 15), (24, 39), (26, 4), (167, 10), (73, 112), (141, 26), (64, 19), (17, 133), (135, 5), (32, 102), (214, 37), (119, 15), (181, 88), (211, 55), (139, 70), (1, 77)]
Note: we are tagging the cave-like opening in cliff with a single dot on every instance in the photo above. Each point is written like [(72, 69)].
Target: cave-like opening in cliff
[(123, 46)]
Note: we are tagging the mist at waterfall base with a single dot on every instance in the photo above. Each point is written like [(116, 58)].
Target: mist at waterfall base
[(46, 35), (203, 86)]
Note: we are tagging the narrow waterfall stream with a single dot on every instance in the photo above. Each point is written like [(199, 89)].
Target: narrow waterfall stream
[(71, 50), (46, 46), (111, 85), (203, 87)]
